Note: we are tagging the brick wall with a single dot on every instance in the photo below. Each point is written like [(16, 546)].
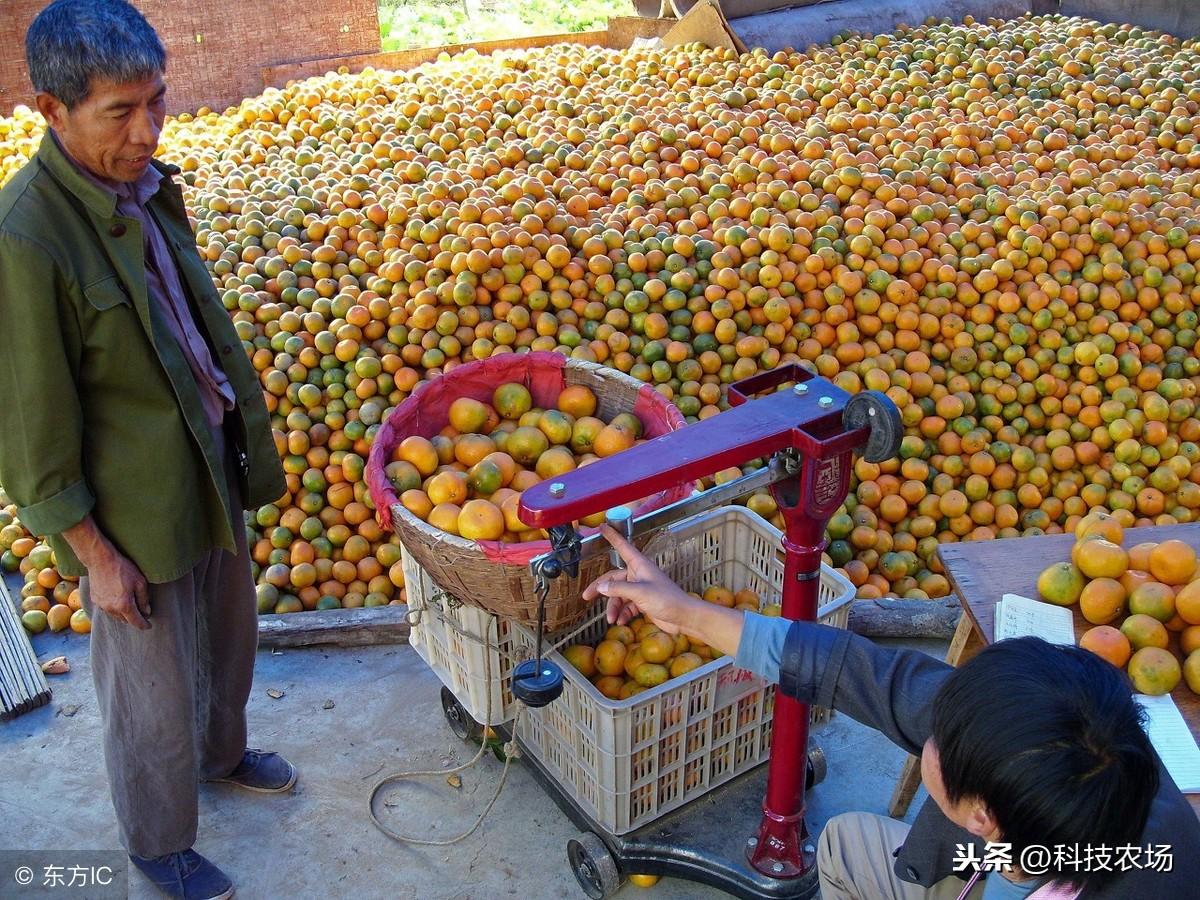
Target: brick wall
[(216, 49)]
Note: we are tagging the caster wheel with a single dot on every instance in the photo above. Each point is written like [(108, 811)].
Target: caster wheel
[(594, 866), (876, 411), (816, 767), (464, 727)]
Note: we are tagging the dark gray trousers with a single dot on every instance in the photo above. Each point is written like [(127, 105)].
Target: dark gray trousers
[(173, 699)]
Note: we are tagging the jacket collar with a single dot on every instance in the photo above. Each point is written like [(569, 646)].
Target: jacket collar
[(101, 202)]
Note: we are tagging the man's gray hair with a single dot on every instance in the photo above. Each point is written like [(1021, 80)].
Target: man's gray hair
[(73, 42)]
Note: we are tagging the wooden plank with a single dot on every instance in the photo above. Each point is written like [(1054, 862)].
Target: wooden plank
[(622, 30), (890, 617), (982, 571), (340, 627)]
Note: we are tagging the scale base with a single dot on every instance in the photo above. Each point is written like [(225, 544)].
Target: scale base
[(705, 841)]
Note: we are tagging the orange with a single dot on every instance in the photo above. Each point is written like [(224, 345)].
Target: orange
[(1100, 522), (584, 433), (1060, 583), (445, 517), (479, 520), (556, 426), (651, 674), (59, 617), (526, 444), (1139, 556), (1144, 631), (1154, 671), (468, 416), (643, 880), (1153, 599), (610, 686), (658, 647), (1100, 558), (633, 659), (507, 465), (1107, 642), (1132, 578), (1102, 601), (622, 633), (610, 657), (420, 453), (472, 448), (612, 439), (81, 623), (524, 480), (417, 503), (512, 400), (509, 509), (684, 663), (577, 400), (1187, 603), (485, 477), (747, 599), (720, 596), (1173, 562), (448, 487), (629, 422), (1191, 671), (554, 462), (1189, 639), (582, 658)]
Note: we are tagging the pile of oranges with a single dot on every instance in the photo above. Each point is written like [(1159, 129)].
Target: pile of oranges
[(636, 657), (468, 480), (994, 223), (1144, 602), (48, 601)]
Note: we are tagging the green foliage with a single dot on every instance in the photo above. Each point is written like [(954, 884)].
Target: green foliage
[(404, 24)]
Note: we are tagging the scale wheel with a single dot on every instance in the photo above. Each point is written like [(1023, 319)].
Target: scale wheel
[(817, 766), (594, 866), (876, 411), (460, 721)]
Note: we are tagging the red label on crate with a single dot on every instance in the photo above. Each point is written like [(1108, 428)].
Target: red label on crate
[(733, 675)]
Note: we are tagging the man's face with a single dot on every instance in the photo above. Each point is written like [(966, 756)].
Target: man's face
[(114, 131), (968, 813)]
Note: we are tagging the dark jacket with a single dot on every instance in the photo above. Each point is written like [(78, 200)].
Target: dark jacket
[(892, 691)]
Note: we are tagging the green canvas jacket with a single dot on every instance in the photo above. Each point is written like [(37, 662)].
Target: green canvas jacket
[(99, 412)]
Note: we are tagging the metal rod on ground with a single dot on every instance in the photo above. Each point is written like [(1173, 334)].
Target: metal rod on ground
[(23, 685)]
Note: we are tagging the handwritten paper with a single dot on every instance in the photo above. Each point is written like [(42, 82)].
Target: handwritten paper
[(1018, 616), (1173, 740)]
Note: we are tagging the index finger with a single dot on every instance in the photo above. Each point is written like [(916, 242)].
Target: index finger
[(629, 553)]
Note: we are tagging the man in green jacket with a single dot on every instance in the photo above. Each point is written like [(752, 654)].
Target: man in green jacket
[(134, 432)]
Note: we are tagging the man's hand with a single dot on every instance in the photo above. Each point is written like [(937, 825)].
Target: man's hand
[(641, 587), (117, 587), (114, 583)]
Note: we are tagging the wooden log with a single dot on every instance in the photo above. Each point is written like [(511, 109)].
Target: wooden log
[(890, 618), (340, 627)]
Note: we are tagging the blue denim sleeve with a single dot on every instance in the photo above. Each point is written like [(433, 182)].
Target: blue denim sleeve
[(761, 648)]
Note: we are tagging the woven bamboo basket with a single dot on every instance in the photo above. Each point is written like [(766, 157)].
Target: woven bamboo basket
[(487, 574)]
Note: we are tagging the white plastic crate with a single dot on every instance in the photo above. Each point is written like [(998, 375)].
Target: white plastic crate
[(470, 651), (628, 762)]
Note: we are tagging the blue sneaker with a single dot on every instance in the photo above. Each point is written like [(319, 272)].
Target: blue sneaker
[(267, 773), (186, 875)]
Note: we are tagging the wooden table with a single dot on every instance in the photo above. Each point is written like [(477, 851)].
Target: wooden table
[(981, 572)]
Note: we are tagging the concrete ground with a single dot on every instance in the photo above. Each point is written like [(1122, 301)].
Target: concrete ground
[(318, 841)]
